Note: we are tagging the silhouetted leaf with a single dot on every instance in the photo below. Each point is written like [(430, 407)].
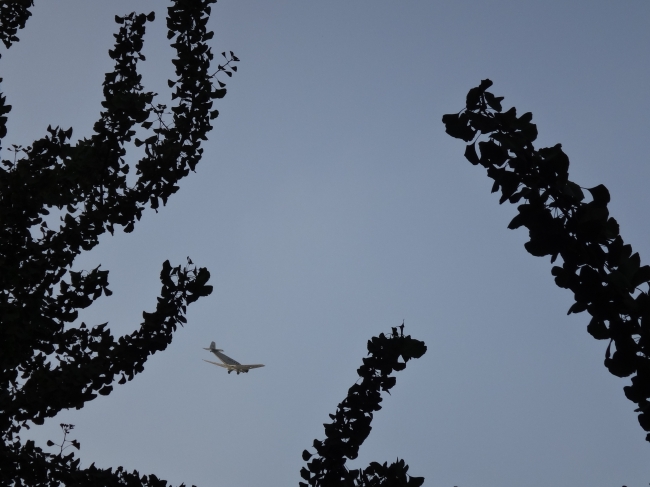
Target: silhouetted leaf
[(219, 93), (457, 126), (474, 95), (470, 154), (598, 329), (493, 101), (600, 194)]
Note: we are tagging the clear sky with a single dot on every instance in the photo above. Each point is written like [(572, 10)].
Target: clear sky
[(330, 205)]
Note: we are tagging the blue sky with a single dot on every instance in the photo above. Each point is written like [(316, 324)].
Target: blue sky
[(330, 205)]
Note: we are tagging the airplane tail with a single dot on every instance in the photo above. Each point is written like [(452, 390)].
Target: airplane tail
[(212, 347)]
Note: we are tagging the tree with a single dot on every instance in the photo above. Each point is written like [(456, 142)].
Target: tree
[(47, 362), (604, 274), (351, 423)]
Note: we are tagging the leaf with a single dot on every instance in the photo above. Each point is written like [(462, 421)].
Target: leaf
[(105, 391), (457, 126), (470, 154), (413, 349), (598, 329), (641, 276), (415, 481), (219, 93), (517, 221), (474, 95), (50, 443), (306, 455), (574, 190), (577, 308), (492, 154), (612, 229), (621, 364), (494, 102), (525, 119), (600, 194)]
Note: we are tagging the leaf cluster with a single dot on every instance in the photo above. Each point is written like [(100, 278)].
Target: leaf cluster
[(351, 422), (48, 362), (13, 16), (602, 271)]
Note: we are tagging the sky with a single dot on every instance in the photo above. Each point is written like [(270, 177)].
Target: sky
[(329, 206)]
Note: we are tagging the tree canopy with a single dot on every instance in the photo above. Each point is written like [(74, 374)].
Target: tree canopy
[(605, 276), (57, 197), (48, 361), (351, 423)]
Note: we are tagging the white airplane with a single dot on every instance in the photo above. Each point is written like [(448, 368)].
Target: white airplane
[(229, 363)]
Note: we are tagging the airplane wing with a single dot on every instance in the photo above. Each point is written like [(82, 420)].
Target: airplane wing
[(254, 366), (215, 363), (224, 358)]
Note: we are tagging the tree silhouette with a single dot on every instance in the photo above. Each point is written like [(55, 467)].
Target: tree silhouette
[(351, 423), (601, 270), (47, 362)]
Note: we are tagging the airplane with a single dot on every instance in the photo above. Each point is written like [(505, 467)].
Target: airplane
[(229, 363)]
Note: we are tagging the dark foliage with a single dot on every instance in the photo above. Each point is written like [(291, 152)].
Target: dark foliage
[(48, 362), (351, 424), (601, 270), (13, 15)]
